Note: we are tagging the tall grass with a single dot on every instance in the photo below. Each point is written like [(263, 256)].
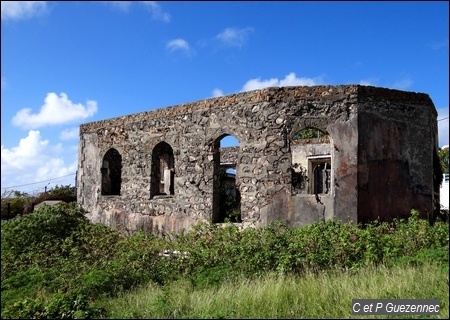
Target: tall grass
[(326, 294), (55, 264)]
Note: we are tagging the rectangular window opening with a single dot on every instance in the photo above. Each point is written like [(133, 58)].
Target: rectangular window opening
[(319, 174)]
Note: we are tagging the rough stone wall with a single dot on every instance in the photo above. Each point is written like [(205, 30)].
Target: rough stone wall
[(397, 140), (229, 156), (265, 122)]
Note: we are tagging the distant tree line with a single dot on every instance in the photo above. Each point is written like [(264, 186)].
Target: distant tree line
[(443, 159), (18, 203)]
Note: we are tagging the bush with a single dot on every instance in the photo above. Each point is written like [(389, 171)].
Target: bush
[(54, 262), (13, 204), (63, 193)]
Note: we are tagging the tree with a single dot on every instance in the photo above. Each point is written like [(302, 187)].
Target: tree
[(64, 193), (13, 203), (16, 202), (443, 159)]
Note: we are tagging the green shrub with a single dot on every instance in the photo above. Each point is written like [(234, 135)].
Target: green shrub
[(58, 306), (13, 203), (55, 263), (318, 246)]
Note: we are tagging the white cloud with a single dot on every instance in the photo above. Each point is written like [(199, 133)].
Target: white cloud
[(35, 160), (55, 168), (55, 111), (69, 134), (156, 11), (369, 82), (16, 10), (152, 6), (289, 80), (402, 84), (121, 5), (24, 155), (178, 44), (217, 93), (234, 37)]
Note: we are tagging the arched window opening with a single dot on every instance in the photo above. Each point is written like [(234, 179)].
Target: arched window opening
[(311, 135), (311, 162), (231, 171), (163, 170), (111, 172), (229, 141), (226, 195)]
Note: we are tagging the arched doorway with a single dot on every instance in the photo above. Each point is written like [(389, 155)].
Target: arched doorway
[(226, 195)]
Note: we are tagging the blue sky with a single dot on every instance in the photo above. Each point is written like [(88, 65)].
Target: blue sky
[(68, 63)]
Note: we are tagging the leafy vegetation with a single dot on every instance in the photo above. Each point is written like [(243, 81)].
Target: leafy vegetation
[(13, 203), (310, 133), (55, 264), (443, 159), (17, 203)]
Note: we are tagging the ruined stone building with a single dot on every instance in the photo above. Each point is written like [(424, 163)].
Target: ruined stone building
[(354, 153)]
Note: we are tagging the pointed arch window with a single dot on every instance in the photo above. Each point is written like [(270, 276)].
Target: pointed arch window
[(163, 170), (111, 172)]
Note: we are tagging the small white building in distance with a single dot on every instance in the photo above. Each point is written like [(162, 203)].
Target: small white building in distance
[(54, 202), (444, 191)]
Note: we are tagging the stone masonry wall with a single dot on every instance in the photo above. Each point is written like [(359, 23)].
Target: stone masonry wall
[(264, 121)]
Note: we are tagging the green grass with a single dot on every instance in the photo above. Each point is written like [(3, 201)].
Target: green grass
[(56, 264), (325, 294)]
